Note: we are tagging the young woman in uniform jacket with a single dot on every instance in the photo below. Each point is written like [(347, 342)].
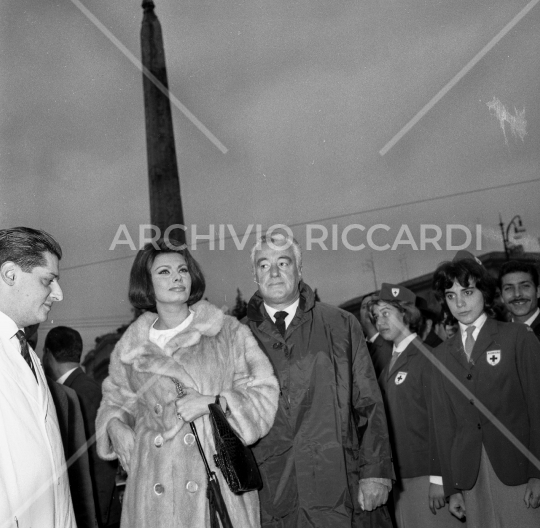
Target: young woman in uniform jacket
[(405, 384), (486, 405)]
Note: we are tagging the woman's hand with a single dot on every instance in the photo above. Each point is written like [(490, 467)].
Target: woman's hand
[(123, 440), (192, 405), (436, 498)]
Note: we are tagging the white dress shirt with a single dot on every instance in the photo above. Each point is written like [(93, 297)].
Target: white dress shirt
[(291, 312), (478, 324)]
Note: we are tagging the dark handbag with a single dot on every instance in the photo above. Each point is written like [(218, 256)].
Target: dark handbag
[(233, 458)]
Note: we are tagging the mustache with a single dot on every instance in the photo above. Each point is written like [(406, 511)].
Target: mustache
[(519, 299)]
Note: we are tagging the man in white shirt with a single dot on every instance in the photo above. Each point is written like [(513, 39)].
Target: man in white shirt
[(520, 291), (34, 487)]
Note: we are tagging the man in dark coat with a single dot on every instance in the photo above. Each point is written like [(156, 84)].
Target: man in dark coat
[(326, 461), (61, 356), (71, 424), (520, 291)]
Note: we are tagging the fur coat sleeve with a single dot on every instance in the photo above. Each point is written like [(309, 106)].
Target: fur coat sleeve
[(252, 404)]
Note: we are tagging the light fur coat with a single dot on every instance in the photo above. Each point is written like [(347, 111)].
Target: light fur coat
[(166, 486)]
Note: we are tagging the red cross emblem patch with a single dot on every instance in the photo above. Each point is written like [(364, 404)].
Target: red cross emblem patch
[(400, 377), (493, 357)]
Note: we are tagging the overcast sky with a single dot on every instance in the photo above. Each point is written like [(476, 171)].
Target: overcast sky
[(304, 95)]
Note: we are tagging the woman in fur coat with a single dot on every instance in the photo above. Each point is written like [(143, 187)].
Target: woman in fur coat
[(191, 344)]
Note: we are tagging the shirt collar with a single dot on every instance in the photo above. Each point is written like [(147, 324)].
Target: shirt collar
[(8, 327), (478, 324), (404, 344), (291, 309), (63, 378), (529, 321)]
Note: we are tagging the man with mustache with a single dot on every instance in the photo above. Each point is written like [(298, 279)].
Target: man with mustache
[(518, 282), (326, 462)]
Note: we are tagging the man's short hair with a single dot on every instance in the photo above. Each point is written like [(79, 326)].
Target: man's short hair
[(464, 272), (26, 247), (411, 314), (141, 290), (65, 344), (279, 239), (514, 266)]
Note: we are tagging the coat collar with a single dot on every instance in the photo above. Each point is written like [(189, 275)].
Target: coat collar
[(135, 348)]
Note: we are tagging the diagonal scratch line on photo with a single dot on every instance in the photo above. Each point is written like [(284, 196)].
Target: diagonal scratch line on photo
[(468, 67), (7, 521), (157, 83), (478, 404)]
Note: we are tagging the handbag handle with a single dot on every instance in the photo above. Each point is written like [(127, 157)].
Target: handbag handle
[(211, 475)]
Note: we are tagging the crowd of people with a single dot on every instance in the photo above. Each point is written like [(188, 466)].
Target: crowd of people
[(406, 418)]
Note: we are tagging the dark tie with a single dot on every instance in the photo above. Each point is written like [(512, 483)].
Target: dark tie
[(280, 322), (25, 352), (469, 341)]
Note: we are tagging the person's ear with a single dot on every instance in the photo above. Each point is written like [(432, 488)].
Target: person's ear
[(8, 272)]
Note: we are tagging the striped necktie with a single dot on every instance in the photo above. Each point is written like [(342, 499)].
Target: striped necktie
[(25, 352)]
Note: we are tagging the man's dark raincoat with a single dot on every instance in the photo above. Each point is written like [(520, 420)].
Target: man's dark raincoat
[(330, 429)]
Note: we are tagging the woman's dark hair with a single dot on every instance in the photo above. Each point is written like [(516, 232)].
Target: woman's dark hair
[(411, 314), (467, 273), (141, 290)]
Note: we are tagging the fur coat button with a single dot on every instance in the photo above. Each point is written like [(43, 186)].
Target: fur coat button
[(159, 489), (189, 439), (192, 487), (158, 441), (158, 409)]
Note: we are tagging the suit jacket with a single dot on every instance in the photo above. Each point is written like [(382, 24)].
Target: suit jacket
[(406, 389), (103, 472), (504, 376), (432, 339), (535, 325), (71, 425), (381, 353)]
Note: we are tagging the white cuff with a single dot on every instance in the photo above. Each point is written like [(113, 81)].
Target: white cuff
[(435, 480)]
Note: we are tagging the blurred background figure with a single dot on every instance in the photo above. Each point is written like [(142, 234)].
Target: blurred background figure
[(380, 349), (61, 360)]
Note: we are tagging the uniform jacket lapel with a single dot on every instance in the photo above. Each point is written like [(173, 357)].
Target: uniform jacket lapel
[(486, 340), (403, 358), (457, 351)]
